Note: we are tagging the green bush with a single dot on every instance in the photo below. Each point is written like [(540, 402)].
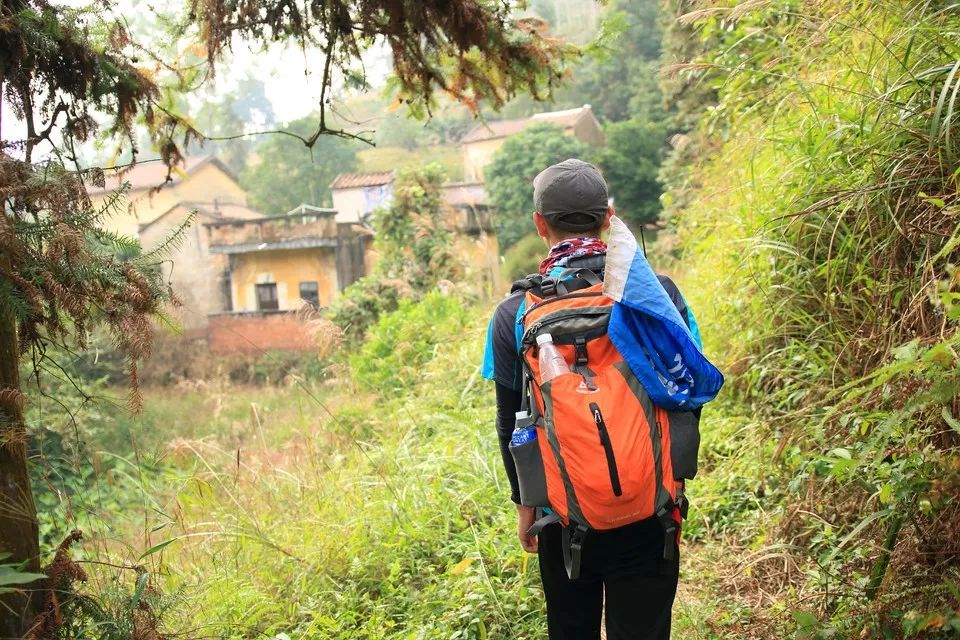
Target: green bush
[(415, 250), (523, 258), (392, 358)]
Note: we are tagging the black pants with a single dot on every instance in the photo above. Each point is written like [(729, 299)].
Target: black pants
[(628, 564)]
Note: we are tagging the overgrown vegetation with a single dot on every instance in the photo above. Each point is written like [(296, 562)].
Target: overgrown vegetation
[(819, 222), (814, 196), (414, 253)]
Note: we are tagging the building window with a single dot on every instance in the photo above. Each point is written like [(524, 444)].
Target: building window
[(310, 294), (267, 297)]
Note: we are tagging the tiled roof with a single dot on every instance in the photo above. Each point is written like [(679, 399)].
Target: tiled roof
[(210, 212), (149, 174), (355, 180), (492, 130)]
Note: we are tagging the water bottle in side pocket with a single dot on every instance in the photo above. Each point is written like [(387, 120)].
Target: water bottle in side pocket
[(525, 449)]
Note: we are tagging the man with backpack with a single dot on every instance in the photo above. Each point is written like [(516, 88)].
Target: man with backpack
[(599, 490)]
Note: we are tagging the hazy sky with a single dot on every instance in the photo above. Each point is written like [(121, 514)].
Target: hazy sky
[(292, 82)]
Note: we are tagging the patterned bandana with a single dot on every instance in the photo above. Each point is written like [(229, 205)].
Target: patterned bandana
[(566, 250)]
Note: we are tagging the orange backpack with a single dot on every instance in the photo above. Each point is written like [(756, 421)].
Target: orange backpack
[(605, 447)]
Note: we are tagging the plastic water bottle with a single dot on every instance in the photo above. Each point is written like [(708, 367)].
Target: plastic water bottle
[(552, 363), (524, 431)]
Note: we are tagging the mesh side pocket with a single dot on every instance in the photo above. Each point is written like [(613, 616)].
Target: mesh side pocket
[(684, 443), (533, 482)]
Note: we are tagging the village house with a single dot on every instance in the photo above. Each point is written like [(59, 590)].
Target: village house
[(276, 267), (466, 214), (232, 259), (356, 195), (199, 278), (484, 140), (199, 179)]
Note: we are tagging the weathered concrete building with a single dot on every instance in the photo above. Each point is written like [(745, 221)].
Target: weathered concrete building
[(277, 266), (232, 259), (356, 195), (196, 274), (200, 179)]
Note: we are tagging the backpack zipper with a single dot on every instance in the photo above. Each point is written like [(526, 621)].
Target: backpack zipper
[(557, 317), (607, 449), (556, 299)]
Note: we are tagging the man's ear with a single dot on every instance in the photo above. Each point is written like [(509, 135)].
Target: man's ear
[(541, 224), (606, 218)]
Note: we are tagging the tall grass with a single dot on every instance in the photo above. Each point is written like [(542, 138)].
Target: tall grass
[(821, 241), (371, 506)]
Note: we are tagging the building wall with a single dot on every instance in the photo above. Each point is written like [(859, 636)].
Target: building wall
[(286, 268), (196, 275), (587, 130), (348, 203), (353, 204), (206, 184), (476, 156), (258, 332)]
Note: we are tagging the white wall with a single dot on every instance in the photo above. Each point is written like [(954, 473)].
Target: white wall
[(353, 204)]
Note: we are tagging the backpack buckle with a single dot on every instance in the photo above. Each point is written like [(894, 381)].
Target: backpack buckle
[(683, 504), (670, 530), (548, 288), (580, 350), (580, 362)]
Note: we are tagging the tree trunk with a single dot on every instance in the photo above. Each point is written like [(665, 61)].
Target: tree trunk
[(19, 531)]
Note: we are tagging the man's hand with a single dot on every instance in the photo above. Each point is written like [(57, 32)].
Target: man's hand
[(526, 517)]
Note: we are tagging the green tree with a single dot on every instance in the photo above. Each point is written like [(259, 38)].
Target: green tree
[(287, 174), (510, 175), (631, 163), (416, 251), (618, 76)]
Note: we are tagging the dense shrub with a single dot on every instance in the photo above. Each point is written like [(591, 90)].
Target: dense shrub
[(393, 356), (819, 217), (415, 252), (523, 258)]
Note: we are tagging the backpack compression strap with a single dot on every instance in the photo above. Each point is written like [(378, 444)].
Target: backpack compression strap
[(573, 537)]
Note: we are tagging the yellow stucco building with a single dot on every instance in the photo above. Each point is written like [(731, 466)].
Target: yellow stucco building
[(231, 259), (280, 263)]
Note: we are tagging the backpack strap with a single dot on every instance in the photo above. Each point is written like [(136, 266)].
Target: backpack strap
[(542, 523), (527, 283), (567, 281), (574, 279), (526, 404), (581, 360), (573, 539)]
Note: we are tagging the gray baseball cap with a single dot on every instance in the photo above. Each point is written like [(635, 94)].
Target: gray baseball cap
[(571, 195)]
